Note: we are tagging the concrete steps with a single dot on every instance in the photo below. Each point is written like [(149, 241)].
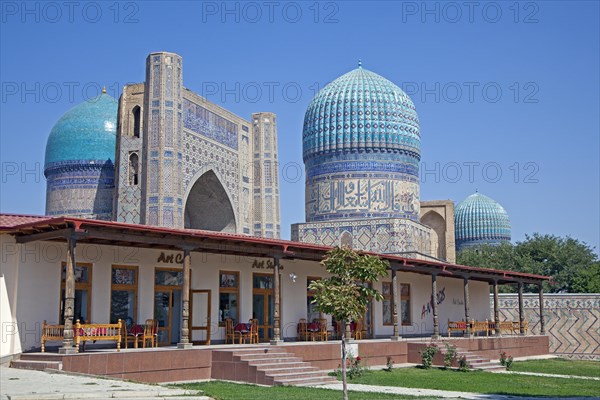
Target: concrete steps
[(37, 361), (266, 366), (480, 363)]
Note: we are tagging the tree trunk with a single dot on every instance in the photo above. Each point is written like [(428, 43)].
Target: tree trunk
[(344, 380)]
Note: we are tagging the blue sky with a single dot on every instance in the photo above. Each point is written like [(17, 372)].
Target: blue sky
[(507, 93)]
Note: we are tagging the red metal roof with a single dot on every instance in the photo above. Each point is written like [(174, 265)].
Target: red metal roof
[(8, 221), (22, 224)]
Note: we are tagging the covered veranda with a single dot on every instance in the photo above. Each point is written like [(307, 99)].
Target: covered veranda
[(74, 232)]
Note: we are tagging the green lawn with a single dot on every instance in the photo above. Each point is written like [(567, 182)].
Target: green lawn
[(232, 391), (481, 382), (559, 366)]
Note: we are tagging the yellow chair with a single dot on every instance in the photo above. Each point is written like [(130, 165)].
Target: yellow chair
[(358, 330), (150, 333), (302, 332), (322, 334), (254, 330), (229, 332)]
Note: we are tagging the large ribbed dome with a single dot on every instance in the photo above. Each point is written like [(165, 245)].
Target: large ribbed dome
[(480, 220), (85, 132), (361, 112), (361, 149)]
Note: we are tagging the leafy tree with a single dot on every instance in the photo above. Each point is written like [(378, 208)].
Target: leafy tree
[(573, 265), (342, 295)]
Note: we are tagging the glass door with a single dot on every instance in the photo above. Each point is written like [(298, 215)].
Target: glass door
[(167, 304), (263, 304)]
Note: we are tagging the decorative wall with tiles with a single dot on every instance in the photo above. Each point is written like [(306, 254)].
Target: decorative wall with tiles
[(381, 235), (81, 189), (572, 321)]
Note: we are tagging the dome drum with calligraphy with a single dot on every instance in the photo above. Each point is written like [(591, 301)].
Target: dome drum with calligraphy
[(361, 149)]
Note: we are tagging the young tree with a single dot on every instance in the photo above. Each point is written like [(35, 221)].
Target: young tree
[(343, 295)]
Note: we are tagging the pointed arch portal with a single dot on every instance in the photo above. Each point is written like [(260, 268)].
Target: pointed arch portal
[(208, 206)]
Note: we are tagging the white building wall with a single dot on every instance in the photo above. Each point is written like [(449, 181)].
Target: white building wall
[(31, 274)]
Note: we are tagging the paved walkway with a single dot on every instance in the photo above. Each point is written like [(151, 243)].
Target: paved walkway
[(431, 392), (21, 384), (592, 378)]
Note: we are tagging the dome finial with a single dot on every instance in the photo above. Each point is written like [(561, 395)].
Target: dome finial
[(359, 63), (104, 89)]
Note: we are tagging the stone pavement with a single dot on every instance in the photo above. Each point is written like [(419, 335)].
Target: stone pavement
[(21, 384)]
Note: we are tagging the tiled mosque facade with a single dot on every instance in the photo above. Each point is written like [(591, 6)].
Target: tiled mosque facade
[(180, 161), (163, 155), (200, 166)]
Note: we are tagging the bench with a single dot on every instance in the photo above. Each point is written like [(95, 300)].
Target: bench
[(510, 327), (480, 326), (93, 332), (455, 326), (51, 333)]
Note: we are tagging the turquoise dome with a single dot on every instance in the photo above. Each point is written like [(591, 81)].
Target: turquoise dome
[(87, 132), (361, 149), (361, 111), (480, 220)]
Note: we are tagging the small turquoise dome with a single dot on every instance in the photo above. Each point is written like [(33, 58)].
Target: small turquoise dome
[(361, 111), (87, 132), (480, 220)]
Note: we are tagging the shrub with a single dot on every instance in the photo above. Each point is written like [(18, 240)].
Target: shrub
[(354, 367), (389, 364), (427, 355), (503, 358), (450, 355), (509, 363), (463, 365)]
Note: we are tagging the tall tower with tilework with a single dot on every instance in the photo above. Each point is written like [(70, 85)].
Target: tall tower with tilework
[(266, 180), (161, 180)]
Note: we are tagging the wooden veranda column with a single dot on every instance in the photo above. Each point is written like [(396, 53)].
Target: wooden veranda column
[(395, 306), (542, 321), (69, 305), (467, 317), (184, 342), (276, 321), (497, 331), (521, 314), (436, 323)]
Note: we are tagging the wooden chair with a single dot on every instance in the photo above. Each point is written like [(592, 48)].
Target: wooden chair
[(302, 332), (254, 330), (322, 334), (229, 333), (150, 333), (358, 330)]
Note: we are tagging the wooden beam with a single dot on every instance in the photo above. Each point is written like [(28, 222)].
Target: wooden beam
[(55, 234)]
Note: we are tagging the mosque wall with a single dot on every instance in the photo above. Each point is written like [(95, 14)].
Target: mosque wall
[(380, 235), (129, 155), (439, 216)]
